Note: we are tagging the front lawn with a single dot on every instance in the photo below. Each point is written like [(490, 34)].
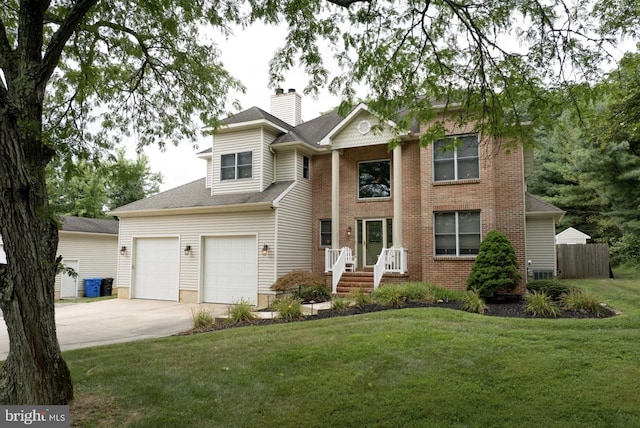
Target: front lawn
[(427, 367)]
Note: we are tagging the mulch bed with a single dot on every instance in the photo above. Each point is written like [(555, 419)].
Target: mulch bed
[(509, 308)]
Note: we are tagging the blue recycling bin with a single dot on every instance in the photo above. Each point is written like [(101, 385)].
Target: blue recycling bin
[(92, 287)]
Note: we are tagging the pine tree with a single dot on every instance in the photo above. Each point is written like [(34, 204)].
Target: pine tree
[(496, 266)]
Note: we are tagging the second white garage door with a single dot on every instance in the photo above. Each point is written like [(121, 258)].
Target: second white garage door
[(230, 271), (156, 268)]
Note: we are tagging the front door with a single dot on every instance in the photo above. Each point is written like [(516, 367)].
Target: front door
[(374, 241), (373, 236)]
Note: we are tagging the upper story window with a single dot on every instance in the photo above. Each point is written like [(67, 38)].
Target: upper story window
[(457, 233), (235, 165), (456, 158), (374, 179), (305, 166)]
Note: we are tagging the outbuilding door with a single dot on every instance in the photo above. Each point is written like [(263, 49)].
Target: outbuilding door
[(230, 269), (155, 268), (69, 284)]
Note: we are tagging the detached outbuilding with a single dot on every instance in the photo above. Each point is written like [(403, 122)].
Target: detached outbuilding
[(572, 236)]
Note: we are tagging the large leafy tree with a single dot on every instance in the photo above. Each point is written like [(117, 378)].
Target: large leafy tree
[(88, 188), (139, 68)]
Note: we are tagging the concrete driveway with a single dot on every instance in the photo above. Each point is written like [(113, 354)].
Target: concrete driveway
[(81, 325)]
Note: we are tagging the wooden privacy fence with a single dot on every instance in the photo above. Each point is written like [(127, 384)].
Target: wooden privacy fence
[(583, 260)]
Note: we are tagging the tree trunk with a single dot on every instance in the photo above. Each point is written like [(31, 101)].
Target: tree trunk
[(34, 372)]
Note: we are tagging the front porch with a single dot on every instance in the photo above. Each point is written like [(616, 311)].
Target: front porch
[(344, 277)]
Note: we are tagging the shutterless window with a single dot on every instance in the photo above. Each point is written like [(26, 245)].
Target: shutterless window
[(374, 179), (235, 165), (305, 167), (325, 233), (456, 158), (457, 233)]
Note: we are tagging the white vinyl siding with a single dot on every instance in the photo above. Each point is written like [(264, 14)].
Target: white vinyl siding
[(268, 162), (97, 256), (209, 179), (294, 229), (190, 228), (286, 165), (350, 136), (540, 244), (237, 142)]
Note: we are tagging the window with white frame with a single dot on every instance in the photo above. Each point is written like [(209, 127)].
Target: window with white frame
[(456, 158), (236, 165), (325, 233), (374, 179), (457, 233)]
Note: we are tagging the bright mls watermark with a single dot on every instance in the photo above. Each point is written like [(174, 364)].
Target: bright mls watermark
[(34, 416)]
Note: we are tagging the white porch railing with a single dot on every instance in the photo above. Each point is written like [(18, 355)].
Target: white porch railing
[(335, 261), (392, 260)]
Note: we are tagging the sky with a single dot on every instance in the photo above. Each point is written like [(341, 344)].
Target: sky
[(248, 61)]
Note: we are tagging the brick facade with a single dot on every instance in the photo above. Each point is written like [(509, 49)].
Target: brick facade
[(498, 194)]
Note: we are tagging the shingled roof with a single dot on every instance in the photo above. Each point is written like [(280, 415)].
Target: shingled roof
[(196, 194), (313, 131), (89, 225), (535, 205)]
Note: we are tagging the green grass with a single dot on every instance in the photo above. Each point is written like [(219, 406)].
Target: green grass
[(86, 299), (429, 367)]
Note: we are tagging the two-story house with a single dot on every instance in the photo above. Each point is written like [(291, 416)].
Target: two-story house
[(281, 195)]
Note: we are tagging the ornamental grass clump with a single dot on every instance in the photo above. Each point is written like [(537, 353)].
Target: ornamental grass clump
[(241, 312), (202, 318), (495, 268), (360, 297), (539, 305), (389, 295), (472, 302), (288, 308), (579, 300), (340, 304)]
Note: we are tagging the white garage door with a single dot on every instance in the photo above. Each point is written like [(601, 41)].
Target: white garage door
[(156, 268), (230, 271)]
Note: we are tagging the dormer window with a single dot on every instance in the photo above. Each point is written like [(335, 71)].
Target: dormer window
[(234, 166)]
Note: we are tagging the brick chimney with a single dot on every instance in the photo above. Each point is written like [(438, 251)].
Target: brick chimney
[(287, 106)]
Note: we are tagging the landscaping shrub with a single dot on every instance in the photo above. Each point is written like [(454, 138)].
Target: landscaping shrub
[(296, 279), (472, 302), (241, 312), (419, 292), (579, 300), (317, 293), (625, 250), (389, 295), (540, 305), (288, 308), (202, 318), (496, 266), (551, 287), (361, 297)]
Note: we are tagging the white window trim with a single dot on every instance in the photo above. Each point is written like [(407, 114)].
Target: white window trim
[(236, 166), (457, 233), (455, 159)]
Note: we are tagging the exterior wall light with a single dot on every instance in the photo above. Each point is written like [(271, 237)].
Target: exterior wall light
[(187, 250), (123, 250), (265, 249), (349, 230)]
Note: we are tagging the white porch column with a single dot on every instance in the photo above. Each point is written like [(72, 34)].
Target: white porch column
[(335, 199), (397, 196)]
